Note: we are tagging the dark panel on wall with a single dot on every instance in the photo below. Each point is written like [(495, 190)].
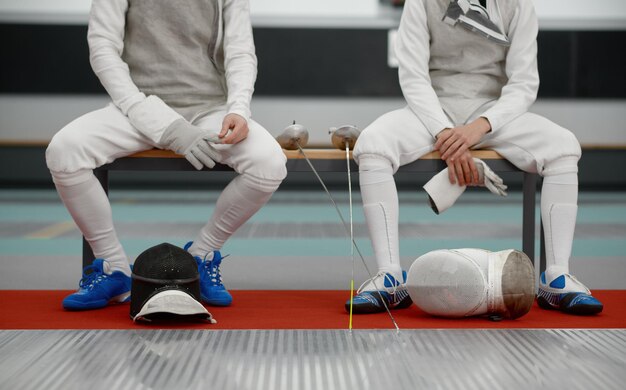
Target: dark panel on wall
[(582, 64), (46, 59), (318, 62), (601, 60), (313, 62), (556, 76)]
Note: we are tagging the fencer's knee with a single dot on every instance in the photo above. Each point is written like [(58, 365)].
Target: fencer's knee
[(567, 153), (374, 169), (570, 145), (275, 167), (59, 150), (67, 179), (374, 162), (370, 145), (362, 148), (561, 166), (264, 185), (271, 166)]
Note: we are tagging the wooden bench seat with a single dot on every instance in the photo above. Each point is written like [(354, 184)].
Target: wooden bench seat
[(330, 160), (317, 154)]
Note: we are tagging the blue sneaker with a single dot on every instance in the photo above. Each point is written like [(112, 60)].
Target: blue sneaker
[(212, 291), (368, 300), (567, 294), (97, 288)]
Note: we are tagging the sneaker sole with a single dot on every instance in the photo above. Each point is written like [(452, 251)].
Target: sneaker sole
[(371, 309), (581, 310), (544, 304), (78, 306), (216, 302)]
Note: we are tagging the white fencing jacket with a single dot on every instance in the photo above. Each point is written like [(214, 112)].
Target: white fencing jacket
[(449, 75), (224, 53)]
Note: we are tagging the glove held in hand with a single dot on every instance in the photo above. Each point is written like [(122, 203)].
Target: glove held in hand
[(192, 142), (442, 194)]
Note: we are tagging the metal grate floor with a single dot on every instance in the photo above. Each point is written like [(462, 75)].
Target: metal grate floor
[(313, 359)]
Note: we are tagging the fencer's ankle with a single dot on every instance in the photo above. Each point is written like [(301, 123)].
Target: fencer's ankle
[(396, 272), (121, 266), (554, 272)]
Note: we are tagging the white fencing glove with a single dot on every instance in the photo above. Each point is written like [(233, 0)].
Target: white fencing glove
[(192, 142), (442, 194)]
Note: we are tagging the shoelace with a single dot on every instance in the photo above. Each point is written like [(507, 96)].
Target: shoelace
[(88, 281), (213, 271), (587, 291), (384, 276)]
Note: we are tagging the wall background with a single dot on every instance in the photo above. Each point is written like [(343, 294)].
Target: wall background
[(321, 62)]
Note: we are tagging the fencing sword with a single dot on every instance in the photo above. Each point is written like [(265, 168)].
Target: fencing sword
[(296, 136)]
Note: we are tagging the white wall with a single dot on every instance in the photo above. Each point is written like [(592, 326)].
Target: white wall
[(554, 14), (38, 117)]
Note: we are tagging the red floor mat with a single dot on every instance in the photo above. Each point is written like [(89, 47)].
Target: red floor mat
[(285, 309)]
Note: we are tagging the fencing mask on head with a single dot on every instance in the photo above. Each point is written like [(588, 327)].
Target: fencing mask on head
[(166, 285), (472, 282)]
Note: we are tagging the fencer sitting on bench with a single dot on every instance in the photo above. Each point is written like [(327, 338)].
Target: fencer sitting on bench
[(468, 71), (180, 78)]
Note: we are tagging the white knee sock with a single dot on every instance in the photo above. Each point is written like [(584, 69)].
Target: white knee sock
[(239, 201), (380, 205), (89, 206), (559, 198)]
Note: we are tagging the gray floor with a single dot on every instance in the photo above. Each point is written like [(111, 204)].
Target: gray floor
[(313, 359), (296, 241)]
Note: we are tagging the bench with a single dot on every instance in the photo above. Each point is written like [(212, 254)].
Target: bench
[(333, 160)]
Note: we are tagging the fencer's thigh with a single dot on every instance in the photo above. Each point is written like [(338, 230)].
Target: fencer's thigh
[(398, 136), (258, 155), (94, 139), (531, 141)]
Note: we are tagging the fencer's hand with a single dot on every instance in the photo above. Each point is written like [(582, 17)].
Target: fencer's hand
[(192, 142), (452, 143), (234, 129), (479, 174), (463, 170)]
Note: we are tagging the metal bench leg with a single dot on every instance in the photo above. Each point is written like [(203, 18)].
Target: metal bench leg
[(542, 245), (529, 188), (103, 177)]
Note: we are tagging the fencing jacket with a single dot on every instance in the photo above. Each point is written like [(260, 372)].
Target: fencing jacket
[(161, 60), (448, 73)]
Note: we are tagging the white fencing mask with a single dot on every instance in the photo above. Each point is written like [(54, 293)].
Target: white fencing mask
[(472, 282)]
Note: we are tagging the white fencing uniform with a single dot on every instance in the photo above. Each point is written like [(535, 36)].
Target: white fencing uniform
[(451, 76), (104, 135), (466, 77), (161, 61), (179, 56), (472, 282)]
